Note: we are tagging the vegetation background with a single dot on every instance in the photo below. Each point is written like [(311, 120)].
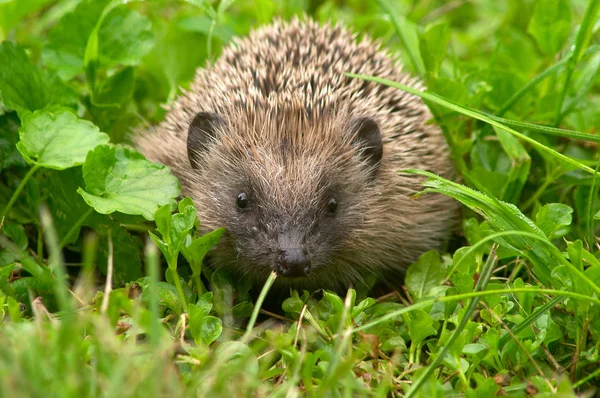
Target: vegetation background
[(510, 307)]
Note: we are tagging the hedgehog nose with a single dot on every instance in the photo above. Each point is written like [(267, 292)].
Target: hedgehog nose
[(293, 263)]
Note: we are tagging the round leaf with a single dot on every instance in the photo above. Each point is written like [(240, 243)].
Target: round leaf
[(57, 140), (210, 329), (120, 179), (551, 24), (238, 356)]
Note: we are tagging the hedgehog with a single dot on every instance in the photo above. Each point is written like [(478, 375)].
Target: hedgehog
[(300, 163)]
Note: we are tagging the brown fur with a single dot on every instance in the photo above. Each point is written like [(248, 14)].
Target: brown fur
[(288, 110)]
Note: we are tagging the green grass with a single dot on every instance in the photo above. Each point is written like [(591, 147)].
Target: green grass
[(511, 306)]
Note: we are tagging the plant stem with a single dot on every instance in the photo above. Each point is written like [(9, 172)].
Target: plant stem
[(211, 32), (14, 196), (529, 320), (55, 262), (476, 115), (581, 41), (454, 298), (399, 22), (480, 286), (531, 84), (151, 257), (590, 204), (541, 189), (74, 228), (199, 285), (257, 305), (40, 242), (589, 377), (179, 288)]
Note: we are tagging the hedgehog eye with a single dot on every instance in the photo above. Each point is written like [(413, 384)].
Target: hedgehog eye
[(331, 205), (242, 200)]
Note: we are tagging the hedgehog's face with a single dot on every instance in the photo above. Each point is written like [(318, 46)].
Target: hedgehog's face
[(287, 207)]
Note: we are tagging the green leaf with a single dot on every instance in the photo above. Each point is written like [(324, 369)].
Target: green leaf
[(551, 24), (167, 295), (474, 349), (57, 140), (520, 165), (126, 252), (162, 217), (124, 37), (238, 355), (120, 179), (408, 35), (336, 303), (493, 120), (420, 325), (67, 40), (520, 233), (203, 24), (12, 11), (394, 344), (243, 309), (16, 232), (66, 207), (206, 329), (293, 304), (116, 91), (552, 131), (162, 246), (554, 219), (362, 306), (548, 330), (9, 135), (14, 309), (171, 64), (174, 228), (25, 87), (428, 272), (433, 43), (195, 249), (204, 304), (182, 224)]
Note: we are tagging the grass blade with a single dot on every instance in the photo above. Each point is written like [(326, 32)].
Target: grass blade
[(476, 115), (506, 217), (521, 164), (257, 306), (584, 34), (538, 128), (407, 31), (482, 282), (448, 299), (530, 85), (529, 320), (537, 79)]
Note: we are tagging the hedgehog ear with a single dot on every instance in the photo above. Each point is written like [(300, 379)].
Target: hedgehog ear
[(202, 130), (367, 137)]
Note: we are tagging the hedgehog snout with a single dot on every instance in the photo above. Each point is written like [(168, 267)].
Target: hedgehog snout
[(292, 258), (293, 263)]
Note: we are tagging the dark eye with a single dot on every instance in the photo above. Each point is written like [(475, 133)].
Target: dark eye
[(242, 200), (331, 206)]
